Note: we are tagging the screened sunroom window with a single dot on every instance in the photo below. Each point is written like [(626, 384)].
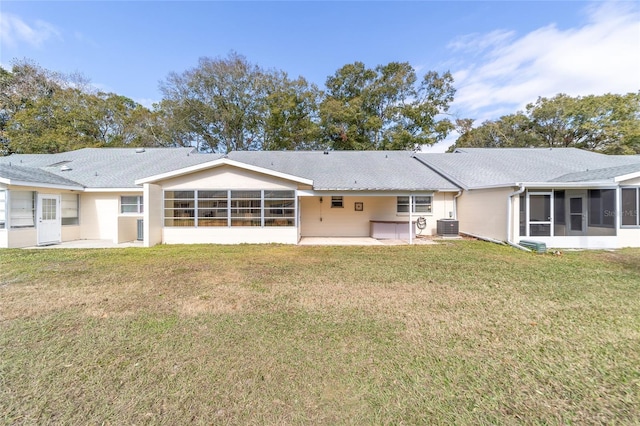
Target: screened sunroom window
[(602, 206), (630, 207), (69, 204), (206, 208), (22, 209)]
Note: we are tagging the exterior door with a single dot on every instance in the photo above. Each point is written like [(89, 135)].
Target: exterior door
[(577, 215), (540, 218), (49, 220)]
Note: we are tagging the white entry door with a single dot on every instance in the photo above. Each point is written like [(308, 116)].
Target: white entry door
[(49, 220)]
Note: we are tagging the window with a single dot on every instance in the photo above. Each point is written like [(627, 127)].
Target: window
[(131, 204), (69, 204), (3, 209), (630, 207), (213, 208), (229, 208), (22, 209), (279, 208), (179, 208), (421, 204), (602, 208), (245, 208), (336, 202)]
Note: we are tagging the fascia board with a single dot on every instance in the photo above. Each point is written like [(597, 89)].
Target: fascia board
[(626, 177), (132, 189), (394, 193), (218, 163), (40, 184)]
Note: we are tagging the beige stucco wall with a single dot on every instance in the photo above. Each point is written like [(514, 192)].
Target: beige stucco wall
[(128, 228), (483, 212), (635, 181), (99, 216), (227, 177), (25, 237), (70, 232), (319, 219), (152, 214)]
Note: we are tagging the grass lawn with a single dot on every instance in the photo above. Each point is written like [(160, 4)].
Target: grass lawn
[(463, 332)]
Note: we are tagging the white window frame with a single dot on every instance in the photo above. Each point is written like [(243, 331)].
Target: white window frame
[(139, 204), (422, 204)]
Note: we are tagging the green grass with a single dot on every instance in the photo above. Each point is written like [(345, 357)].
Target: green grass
[(458, 333)]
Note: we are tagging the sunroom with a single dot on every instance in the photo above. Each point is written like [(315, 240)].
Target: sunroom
[(573, 217)]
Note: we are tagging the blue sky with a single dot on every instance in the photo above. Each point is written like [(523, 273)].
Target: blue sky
[(502, 54)]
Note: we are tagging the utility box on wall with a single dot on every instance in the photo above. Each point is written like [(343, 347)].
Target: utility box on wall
[(447, 228)]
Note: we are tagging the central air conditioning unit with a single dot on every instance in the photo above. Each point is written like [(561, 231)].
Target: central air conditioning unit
[(447, 228)]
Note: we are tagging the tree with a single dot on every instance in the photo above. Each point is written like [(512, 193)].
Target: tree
[(385, 107), (608, 123), (230, 104)]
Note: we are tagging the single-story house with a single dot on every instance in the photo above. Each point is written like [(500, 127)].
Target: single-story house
[(564, 197)]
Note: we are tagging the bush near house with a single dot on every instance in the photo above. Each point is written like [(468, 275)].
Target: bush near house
[(463, 332)]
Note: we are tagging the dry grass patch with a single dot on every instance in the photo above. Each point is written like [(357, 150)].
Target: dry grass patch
[(463, 333)]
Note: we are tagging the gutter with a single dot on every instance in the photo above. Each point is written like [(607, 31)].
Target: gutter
[(455, 204), (509, 216)]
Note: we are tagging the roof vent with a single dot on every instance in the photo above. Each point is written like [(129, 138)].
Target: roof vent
[(65, 168), (139, 150), (326, 153)]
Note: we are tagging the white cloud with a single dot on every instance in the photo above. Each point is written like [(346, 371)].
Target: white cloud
[(502, 73), (14, 31)]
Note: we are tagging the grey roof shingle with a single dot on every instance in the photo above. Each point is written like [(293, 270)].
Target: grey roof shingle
[(351, 170), (109, 167), (33, 175), (484, 167)]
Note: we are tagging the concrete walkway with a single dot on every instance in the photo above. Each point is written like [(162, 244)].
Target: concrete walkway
[(305, 241), (358, 241), (88, 244)]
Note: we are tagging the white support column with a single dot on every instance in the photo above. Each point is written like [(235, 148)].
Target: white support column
[(410, 219)]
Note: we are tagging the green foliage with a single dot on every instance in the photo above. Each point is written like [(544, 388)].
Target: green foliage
[(385, 107), (609, 123), (45, 112), (228, 104)]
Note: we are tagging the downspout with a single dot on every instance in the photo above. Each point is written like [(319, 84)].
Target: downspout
[(455, 204), (509, 215)]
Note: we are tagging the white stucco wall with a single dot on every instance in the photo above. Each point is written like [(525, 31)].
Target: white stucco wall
[(231, 235), (4, 238)]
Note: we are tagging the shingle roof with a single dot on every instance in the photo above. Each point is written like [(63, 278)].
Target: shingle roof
[(484, 167), (33, 175), (351, 170), (108, 167), (607, 174)]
